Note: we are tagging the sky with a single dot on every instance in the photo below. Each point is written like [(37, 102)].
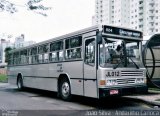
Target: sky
[(65, 16)]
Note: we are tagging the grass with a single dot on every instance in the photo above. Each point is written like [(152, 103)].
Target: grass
[(3, 78), (154, 89)]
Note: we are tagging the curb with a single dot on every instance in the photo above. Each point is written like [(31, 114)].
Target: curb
[(154, 91), (151, 103), (4, 83)]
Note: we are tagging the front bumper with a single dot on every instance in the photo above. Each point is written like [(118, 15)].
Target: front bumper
[(105, 92)]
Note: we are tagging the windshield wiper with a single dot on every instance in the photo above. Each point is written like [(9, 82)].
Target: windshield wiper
[(117, 65), (133, 62), (121, 61)]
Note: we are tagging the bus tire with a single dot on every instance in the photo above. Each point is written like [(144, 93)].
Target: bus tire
[(20, 83), (65, 90)]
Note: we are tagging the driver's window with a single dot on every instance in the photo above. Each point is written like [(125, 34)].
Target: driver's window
[(90, 51)]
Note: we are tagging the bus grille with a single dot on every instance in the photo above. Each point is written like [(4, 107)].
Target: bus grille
[(126, 81), (132, 73)]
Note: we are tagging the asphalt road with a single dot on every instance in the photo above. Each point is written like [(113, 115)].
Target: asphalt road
[(38, 102)]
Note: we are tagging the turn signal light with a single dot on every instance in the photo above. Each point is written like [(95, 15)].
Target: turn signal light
[(145, 80), (102, 82)]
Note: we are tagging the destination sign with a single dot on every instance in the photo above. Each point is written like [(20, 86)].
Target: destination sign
[(122, 32)]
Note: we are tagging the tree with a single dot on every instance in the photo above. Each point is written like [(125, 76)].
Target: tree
[(7, 6), (7, 50), (31, 5)]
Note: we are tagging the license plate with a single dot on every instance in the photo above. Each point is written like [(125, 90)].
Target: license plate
[(113, 92)]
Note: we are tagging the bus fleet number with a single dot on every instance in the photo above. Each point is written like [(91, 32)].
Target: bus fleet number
[(113, 74)]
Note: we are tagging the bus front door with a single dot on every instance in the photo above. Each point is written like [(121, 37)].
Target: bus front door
[(90, 81)]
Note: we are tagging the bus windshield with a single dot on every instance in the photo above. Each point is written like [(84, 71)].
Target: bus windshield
[(118, 53)]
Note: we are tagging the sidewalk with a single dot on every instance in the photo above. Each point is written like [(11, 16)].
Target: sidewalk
[(3, 84), (151, 98)]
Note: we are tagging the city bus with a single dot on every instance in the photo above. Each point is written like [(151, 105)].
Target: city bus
[(83, 63)]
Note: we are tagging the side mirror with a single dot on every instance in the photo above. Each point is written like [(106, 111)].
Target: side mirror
[(99, 37)]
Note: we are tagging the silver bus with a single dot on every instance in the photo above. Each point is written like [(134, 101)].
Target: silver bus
[(96, 62)]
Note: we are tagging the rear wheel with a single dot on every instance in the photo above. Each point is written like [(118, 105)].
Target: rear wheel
[(65, 90), (20, 83)]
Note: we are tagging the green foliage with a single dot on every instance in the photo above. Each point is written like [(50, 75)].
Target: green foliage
[(3, 78), (32, 5), (7, 6), (154, 89), (7, 53)]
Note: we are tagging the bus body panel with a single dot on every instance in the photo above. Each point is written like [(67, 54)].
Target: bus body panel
[(83, 78), (90, 88), (74, 71), (126, 81), (89, 70), (76, 76)]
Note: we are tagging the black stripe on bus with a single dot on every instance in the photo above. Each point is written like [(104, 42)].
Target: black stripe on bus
[(38, 77), (55, 77), (32, 76), (83, 79)]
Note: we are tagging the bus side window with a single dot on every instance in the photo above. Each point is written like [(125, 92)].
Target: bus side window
[(73, 48), (61, 56), (33, 57), (46, 57), (10, 61), (43, 53), (23, 57), (56, 51), (16, 58), (90, 51), (53, 57)]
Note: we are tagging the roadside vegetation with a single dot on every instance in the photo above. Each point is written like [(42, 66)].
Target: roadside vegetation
[(154, 89), (3, 78)]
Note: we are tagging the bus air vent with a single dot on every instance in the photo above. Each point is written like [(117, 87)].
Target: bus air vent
[(132, 73)]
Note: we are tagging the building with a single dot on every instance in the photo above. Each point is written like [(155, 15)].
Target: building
[(143, 15), (3, 44), (19, 42)]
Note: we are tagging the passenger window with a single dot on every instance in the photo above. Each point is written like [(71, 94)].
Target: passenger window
[(40, 58), (43, 49), (56, 46), (23, 57), (45, 57), (16, 58), (73, 48), (10, 61), (33, 58), (43, 53), (56, 51), (90, 51)]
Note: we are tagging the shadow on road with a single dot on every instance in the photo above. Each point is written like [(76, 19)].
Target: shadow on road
[(107, 103)]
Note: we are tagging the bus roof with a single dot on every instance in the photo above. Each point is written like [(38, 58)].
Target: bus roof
[(76, 33)]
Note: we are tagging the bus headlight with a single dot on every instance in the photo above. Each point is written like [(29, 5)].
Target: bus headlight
[(111, 82), (140, 80)]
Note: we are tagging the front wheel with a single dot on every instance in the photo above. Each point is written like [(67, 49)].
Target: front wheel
[(65, 90), (20, 83)]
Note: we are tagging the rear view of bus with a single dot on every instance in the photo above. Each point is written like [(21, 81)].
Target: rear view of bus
[(120, 68)]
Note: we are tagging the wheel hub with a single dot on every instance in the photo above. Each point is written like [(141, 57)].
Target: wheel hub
[(65, 89)]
